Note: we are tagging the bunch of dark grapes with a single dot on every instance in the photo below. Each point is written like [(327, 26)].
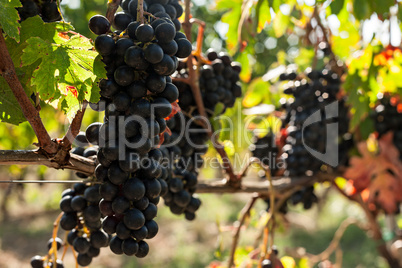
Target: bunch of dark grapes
[(266, 151), (388, 117), (47, 9), (82, 218), (219, 83), (310, 95), (137, 98), (184, 158)]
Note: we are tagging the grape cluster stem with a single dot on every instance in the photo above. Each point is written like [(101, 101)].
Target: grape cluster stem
[(244, 214), (234, 181), (74, 127)]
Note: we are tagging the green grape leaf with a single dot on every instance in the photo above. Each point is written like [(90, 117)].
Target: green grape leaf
[(336, 6), (232, 18), (361, 9), (9, 18), (263, 15), (224, 4), (399, 11), (275, 4), (258, 91), (67, 70), (35, 27), (348, 38), (359, 102), (280, 24), (381, 7), (305, 58), (366, 127), (245, 73), (10, 110)]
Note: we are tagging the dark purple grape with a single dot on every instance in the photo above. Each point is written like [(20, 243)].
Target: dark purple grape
[(130, 246), (134, 57), (109, 224), (81, 245), (137, 90), (144, 33), (169, 48), (184, 48), (122, 45), (134, 219), (153, 53), (121, 20), (162, 107), (166, 66), (156, 83), (143, 249), (104, 44), (124, 75), (120, 204), (116, 245), (99, 24), (84, 259), (141, 107), (165, 33), (99, 239), (134, 189)]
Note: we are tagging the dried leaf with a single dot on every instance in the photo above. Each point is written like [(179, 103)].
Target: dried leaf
[(378, 175)]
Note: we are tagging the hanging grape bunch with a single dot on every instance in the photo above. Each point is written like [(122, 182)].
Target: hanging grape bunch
[(312, 94), (315, 92), (137, 96), (184, 157), (139, 58), (182, 179), (219, 83), (48, 10)]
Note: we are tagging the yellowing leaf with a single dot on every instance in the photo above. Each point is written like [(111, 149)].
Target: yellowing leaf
[(280, 24), (257, 90), (263, 14)]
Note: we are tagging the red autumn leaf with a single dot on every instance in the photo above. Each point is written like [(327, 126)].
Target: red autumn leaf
[(386, 191), (379, 174)]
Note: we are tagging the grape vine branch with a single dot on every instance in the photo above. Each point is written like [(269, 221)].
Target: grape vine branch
[(7, 70)]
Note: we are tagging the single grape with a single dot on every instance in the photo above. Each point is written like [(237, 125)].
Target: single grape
[(121, 20), (144, 33), (165, 33), (104, 44), (99, 24)]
